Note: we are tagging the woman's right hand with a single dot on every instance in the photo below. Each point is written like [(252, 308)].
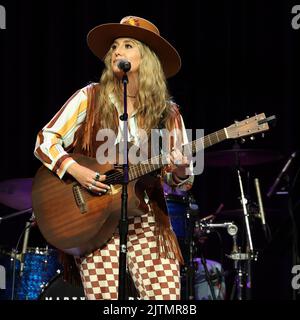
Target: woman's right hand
[(88, 178)]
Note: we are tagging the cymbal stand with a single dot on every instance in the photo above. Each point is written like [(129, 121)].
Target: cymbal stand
[(243, 279), (199, 229), (244, 202)]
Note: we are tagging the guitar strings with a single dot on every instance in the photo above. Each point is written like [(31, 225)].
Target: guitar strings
[(117, 175), (156, 160), (132, 168), (135, 167)]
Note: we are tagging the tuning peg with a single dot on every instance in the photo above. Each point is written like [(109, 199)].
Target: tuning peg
[(242, 140), (263, 135), (252, 138)]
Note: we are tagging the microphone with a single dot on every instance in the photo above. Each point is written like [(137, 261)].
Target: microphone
[(124, 65), (261, 207), (29, 224), (282, 172), (25, 244)]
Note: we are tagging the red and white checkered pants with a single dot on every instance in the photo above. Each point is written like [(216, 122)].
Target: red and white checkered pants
[(155, 278)]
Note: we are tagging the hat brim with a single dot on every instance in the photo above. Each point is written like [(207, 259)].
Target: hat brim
[(100, 39)]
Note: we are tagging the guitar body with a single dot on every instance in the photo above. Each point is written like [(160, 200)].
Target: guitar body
[(77, 221)]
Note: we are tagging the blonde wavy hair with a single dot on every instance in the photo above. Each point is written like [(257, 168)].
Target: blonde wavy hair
[(153, 98)]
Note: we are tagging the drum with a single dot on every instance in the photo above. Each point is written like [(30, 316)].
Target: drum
[(58, 289), (40, 265), (202, 289), (177, 208)]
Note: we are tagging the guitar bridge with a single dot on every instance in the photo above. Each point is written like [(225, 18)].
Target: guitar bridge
[(81, 204)]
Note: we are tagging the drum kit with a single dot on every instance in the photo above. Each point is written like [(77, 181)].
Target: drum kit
[(32, 273), (35, 272), (201, 278), (204, 279)]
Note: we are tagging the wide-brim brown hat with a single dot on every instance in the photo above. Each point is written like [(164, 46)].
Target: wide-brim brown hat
[(100, 39)]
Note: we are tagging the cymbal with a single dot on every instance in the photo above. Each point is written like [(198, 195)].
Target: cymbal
[(16, 193), (240, 157)]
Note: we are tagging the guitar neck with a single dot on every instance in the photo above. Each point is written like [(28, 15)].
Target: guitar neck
[(155, 163)]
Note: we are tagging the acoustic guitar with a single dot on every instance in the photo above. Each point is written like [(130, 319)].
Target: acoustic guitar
[(78, 222)]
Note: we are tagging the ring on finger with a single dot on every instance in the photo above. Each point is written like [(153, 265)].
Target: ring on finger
[(90, 187), (97, 176), (94, 183)]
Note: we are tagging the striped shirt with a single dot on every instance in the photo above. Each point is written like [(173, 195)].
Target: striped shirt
[(57, 137)]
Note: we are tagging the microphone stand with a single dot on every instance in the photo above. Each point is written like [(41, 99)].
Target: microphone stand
[(123, 223), (282, 172)]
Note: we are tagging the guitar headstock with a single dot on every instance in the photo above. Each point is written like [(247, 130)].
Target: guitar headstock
[(248, 127)]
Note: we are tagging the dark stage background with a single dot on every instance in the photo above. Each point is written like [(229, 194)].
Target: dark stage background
[(238, 58)]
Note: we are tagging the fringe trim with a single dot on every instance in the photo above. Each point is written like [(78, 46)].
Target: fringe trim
[(168, 244), (165, 237)]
